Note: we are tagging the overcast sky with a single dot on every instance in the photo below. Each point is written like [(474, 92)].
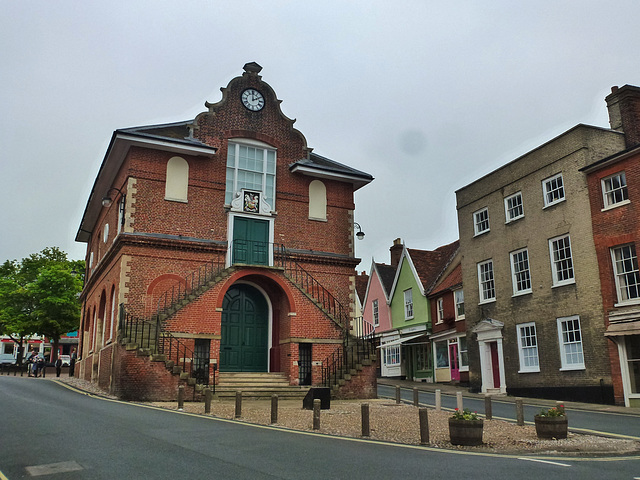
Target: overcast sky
[(426, 96)]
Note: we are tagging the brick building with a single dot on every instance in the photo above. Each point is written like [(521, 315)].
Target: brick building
[(222, 243), (533, 305), (614, 190)]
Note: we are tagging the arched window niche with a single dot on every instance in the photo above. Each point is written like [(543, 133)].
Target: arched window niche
[(317, 200), (177, 183)]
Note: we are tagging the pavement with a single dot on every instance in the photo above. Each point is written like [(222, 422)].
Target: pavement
[(451, 389)]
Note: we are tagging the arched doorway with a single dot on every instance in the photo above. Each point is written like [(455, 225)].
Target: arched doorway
[(245, 330)]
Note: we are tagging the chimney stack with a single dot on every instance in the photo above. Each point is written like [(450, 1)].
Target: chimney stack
[(624, 112), (396, 252)]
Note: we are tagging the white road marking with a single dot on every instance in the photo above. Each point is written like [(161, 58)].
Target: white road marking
[(52, 468), (544, 461)]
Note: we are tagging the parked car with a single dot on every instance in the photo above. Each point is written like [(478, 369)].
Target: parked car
[(66, 360)]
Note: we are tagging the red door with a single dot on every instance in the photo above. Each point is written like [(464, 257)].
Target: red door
[(495, 364), (453, 362)]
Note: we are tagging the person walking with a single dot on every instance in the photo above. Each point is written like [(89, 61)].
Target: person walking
[(58, 366)]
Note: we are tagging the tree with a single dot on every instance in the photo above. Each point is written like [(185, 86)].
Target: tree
[(40, 295)]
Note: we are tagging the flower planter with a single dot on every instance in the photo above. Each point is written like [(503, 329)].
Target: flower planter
[(551, 427), (465, 432)]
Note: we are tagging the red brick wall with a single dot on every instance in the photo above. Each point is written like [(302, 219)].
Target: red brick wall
[(362, 385)]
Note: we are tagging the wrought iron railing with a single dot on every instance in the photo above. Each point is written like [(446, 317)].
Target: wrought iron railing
[(149, 335)]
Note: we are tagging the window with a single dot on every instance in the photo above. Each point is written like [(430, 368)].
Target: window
[(464, 357), (625, 268), (520, 275), (485, 281), (513, 208), (440, 303), (442, 354), (105, 233), (121, 213), (252, 168), (317, 200), (392, 355), (570, 339), (553, 189), (422, 357), (176, 186), (91, 260), (459, 299), (528, 347), (374, 308), (614, 189), (481, 221), (408, 304), (561, 261)]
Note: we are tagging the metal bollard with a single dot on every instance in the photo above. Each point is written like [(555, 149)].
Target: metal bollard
[(416, 397), (366, 428), (424, 426), (316, 414), (274, 408), (238, 404), (519, 412), (181, 397), (459, 401), (208, 395), (438, 399), (397, 394), (488, 407)]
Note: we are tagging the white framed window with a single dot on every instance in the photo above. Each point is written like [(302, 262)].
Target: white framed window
[(513, 207), (422, 357), (440, 305), (105, 233), (176, 186), (561, 260), (459, 299), (625, 269), (463, 354), (91, 260), (408, 304), (520, 273), (570, 340), (374, 309), (486, 281), (481, 221), (252, 167), (553, 190), (528, 347), (442, 354), (614, 190), (317, 200), (392, 356)]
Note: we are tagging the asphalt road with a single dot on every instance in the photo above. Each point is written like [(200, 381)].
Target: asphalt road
[(56, 433), (580, 420)]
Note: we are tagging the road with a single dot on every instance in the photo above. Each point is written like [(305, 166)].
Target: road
[(51, 430), (579, 420)]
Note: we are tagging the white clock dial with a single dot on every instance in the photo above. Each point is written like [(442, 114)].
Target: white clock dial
[(252, 99)]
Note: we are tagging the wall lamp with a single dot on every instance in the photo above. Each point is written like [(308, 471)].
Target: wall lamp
[(359, 233), (107, 200)]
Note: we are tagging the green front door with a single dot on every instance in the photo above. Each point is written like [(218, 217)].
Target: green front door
[(250, 241), (245, 321)]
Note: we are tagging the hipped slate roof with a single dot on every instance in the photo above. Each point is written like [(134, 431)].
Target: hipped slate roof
[(362, 280), (322, 167), (386, 274)]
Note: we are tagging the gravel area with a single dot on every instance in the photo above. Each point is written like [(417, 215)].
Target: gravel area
[(399, 424)]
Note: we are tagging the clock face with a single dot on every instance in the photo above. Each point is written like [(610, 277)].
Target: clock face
[(252, 99)]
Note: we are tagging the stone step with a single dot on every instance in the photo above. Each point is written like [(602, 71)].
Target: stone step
[(262, 392)]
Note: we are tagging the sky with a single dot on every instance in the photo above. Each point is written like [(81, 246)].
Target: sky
[(426, 96)]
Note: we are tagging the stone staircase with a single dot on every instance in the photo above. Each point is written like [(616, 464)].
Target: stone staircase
[(257, 385)]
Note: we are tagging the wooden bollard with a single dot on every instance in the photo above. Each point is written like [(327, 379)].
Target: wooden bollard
[(274, 408), (459, 401), (238, 404), (424, 426), (397, 394), (438, 399), (316, 414), (519, 412), (181, 397), (366, 428), (416, 397), (208, 394), (488, 408)]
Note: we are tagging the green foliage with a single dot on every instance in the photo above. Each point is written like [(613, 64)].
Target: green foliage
[(465, 414), (40, 294)]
